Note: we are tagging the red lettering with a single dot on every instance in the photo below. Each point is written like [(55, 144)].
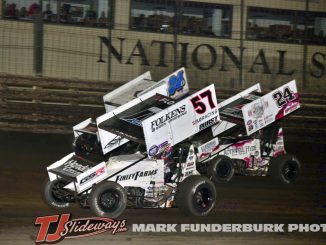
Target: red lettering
[(56, 236), (45, 222)]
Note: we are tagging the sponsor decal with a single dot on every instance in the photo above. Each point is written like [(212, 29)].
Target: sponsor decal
[(288, 108), (269, 119), (250, 127), (153, 150), (240, 149), (208, 115), (65, 227), (217, 148), (92, 175), (115, 141), (135, 176), (190, 167), (190, 164), (209, 146), (291, 107), (168, 117), (164, 145), (176, 83), (208, 123), (164, 100), (74, 167), (188, 173), (249, 122), (261, 123), (257, 110)]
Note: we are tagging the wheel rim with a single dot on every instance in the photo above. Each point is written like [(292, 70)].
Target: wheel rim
[(290, 170), (223, 169), (109, 200), (56, 191), (203, 199)]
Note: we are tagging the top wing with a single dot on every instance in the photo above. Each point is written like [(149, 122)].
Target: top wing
[(255, 110), (128, 123), (86, 126), (128, 91), (232, 112), (226, 124), (271, 107), (173, 86)]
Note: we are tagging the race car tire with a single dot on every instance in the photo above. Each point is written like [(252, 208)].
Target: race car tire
[(285, 169), (221, 169), (196, 195), (108, 199), (50, 194)]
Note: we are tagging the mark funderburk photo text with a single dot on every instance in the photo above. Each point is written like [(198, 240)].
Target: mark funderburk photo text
[(229, 227)]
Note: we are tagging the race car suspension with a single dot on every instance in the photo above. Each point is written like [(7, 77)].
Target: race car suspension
[(135, 196)]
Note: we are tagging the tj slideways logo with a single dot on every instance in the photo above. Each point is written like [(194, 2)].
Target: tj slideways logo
[(55, 228)]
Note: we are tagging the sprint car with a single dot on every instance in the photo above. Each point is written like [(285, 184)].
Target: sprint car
[(248, 140), (158, 146)]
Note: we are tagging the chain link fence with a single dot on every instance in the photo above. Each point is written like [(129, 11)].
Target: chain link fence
[(58, 58), (230, 43)]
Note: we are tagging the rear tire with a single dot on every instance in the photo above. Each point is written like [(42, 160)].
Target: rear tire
[(108, 199), (196, 195), (51, 196), (221, 169), (285, 169)]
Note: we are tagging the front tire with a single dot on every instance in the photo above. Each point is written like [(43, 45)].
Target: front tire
[(196, 195), (221, 169), (285, 169), (52, 194), (108, 199)]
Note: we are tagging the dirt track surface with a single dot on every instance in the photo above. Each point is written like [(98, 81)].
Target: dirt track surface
[(246, 200)]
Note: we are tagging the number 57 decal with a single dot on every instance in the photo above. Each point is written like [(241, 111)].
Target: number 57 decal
[(198, 103)]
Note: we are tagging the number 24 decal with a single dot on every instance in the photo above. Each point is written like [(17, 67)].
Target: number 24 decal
[(283, 98), (199, 105)]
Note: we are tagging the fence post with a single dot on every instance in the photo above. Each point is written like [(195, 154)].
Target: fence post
[(241, 43), (305, 48), (178, 8), (38, 41), (110, 27)]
